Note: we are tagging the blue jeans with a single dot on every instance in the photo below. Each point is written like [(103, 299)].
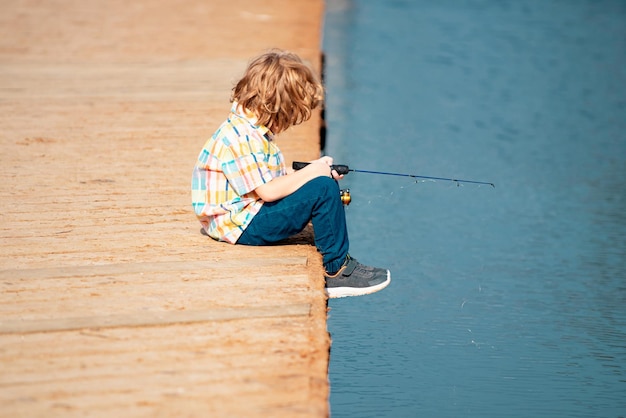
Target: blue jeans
[(318, 202)]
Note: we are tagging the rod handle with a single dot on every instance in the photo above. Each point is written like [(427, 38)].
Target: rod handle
[(339, 168)]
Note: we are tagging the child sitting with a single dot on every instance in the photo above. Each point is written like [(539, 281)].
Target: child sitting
[(242, 192)]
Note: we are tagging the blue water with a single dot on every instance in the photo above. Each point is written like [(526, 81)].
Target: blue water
[(505, 302)]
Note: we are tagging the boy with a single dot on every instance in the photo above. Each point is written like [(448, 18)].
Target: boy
[(242, 193)]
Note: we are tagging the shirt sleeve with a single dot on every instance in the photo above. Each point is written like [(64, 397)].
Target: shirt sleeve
[(248, 167)]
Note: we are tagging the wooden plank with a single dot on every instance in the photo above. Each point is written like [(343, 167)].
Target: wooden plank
[(148, 319), (137, 372), (125, 268)]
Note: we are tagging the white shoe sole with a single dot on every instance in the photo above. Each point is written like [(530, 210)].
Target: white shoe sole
[(342, 292)]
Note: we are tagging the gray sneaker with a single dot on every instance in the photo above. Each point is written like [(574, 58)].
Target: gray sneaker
[(356, 279)]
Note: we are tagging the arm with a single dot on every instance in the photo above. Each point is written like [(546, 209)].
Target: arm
[(283, 186)]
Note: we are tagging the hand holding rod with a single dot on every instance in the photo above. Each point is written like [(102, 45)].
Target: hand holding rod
[(344, 169)]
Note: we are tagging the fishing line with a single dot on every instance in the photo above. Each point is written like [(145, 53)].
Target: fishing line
[(344, 169)]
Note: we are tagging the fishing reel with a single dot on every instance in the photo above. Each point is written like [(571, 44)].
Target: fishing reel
[(344, 195)]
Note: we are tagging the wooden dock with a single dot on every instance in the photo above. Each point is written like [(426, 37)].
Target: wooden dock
[(112, 303)]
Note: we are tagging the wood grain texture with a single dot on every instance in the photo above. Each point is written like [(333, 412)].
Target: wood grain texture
[(111, 301)]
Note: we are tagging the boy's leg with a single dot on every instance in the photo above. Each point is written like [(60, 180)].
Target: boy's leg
[(317, 201)]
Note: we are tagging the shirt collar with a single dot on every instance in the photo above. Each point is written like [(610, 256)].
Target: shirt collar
[(252, 120)]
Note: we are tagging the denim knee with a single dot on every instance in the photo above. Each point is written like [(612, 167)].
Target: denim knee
[(327, 186)]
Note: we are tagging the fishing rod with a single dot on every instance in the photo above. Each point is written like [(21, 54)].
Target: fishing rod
[(344, 169)]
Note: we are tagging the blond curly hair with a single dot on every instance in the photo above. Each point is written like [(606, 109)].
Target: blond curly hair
[(279, 89)]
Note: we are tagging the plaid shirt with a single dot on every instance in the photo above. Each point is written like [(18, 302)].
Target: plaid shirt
[(239, 157)]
